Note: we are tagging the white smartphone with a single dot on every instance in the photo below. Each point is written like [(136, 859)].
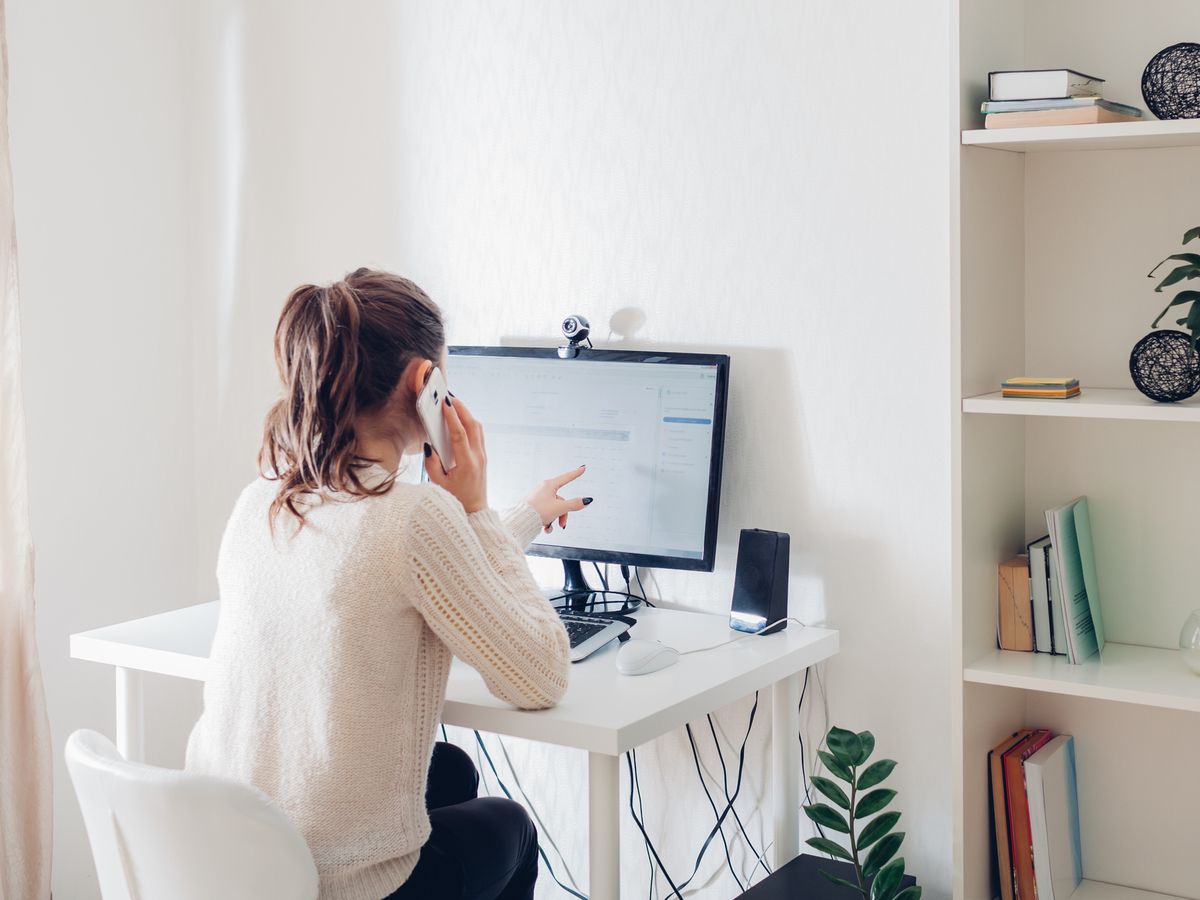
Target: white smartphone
[(429, 409)]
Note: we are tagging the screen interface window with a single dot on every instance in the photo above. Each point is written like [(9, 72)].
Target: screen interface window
[(644, 430)]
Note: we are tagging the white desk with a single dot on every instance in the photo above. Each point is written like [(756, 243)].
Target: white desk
[(603, 712)]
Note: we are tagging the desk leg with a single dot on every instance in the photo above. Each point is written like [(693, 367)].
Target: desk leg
[(785, 767), (130, 722), (604, 826)]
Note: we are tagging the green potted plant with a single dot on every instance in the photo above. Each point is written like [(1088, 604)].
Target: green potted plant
[(871, 846), (1165, 365)]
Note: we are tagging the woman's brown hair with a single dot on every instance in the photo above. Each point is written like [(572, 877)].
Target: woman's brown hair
[(340, 351)]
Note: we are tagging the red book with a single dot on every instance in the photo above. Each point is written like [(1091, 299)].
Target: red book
[(1019, 831)]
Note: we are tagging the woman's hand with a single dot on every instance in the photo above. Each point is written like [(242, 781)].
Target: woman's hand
[(549, 506), (468, 479)]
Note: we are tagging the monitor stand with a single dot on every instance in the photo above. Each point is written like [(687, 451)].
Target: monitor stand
[(577, 591)]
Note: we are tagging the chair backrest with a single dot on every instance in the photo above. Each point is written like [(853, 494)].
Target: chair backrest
[(163, 834)]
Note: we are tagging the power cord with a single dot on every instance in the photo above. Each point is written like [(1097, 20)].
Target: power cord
[(508, 794), (719, 816), (725, 786), (745, 637)]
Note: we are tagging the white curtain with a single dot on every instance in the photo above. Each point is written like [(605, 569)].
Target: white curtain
[(25, 761)]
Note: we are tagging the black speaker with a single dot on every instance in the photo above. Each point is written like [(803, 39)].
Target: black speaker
[(760, 587)]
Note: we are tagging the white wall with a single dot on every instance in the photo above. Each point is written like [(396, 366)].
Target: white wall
[(97, 129), (732, 170)]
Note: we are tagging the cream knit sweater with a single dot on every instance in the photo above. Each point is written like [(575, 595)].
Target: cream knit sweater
[(328, 670)]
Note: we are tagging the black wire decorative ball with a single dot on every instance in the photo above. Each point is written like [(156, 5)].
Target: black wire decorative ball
[(1171, 82), (1164, 366)]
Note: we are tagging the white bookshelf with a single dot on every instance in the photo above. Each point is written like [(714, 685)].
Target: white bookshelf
[(1054, 230), (1092, 403), (1127, 673), (1099, 890), (1110, 136)]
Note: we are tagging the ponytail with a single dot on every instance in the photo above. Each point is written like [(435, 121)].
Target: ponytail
[(340, 352)]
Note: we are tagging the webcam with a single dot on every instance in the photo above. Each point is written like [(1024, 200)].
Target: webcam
[(575, 329)]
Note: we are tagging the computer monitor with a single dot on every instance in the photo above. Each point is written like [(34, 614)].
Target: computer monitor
[(650, 427)]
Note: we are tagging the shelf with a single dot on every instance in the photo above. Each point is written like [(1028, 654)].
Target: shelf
[(1147, 676), (1093, 403), (1110, 136), (1099, 890)]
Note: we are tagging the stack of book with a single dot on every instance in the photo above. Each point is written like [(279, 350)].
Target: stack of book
[(1046, 388), (1049, 598), (1021, 98), (1035, 806)]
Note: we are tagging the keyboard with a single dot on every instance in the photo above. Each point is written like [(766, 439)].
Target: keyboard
[(588, 633)]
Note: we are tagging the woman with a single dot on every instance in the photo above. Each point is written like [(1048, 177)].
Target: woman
[(344, 594)]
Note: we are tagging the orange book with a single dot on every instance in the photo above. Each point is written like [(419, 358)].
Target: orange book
[(1000, 810), (1079, 115), (1020, 833)]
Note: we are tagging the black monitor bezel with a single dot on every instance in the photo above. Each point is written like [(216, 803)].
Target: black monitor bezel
[(655, 357)]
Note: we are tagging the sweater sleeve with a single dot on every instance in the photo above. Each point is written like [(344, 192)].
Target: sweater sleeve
[(473, 588), (523, 523)]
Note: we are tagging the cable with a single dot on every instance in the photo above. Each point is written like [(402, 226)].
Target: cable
[(718, 816), (630, 603), (603, 576), (725, 786), (630, 756), (744, 637), (542, 829), (508, 794), (642, 812)]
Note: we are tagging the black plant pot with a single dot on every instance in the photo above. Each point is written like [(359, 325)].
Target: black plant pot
[(801, 880), (1164, 366)]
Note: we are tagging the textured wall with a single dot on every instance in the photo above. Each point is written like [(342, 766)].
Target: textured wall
[(732, 170)]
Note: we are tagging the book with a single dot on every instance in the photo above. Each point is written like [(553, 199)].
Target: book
[(1046, 387), (1036, 84), (1083, 115), (1019, 835), (1075, 574), (1039, 592), (1014, 610), (1007, 106), (1058, 618), (1053, 797), (1000, 810)]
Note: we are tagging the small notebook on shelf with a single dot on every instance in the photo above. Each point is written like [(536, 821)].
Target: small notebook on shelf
[(1040, 387)]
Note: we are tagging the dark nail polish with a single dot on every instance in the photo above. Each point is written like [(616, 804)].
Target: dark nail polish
[(587, 500), (428, 451), (451, 393), (449, 402)]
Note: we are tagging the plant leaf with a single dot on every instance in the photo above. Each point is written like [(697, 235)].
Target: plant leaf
[(844, 745), (912, 892), (882, 852), (832, 791), (1191, 234), (1178, 274), (875, 773), (867, 742), (831, 847), (873, 802), (842, 881), (1181, 297), (887, 882), (831, 763), (826, 815), (879, 826)]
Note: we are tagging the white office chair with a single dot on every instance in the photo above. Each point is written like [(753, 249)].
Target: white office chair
[(163, 834)]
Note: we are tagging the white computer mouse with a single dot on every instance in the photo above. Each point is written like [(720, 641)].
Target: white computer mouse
[(641, 657)]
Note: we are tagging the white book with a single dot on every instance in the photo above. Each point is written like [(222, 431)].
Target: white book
[(1060, 636), (1039, 591), (1042, 84), (1053, 798)]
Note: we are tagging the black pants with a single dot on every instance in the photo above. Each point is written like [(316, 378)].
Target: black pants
[(480, 848)]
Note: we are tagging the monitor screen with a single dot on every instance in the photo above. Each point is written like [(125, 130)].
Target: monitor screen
[(649, 426)]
